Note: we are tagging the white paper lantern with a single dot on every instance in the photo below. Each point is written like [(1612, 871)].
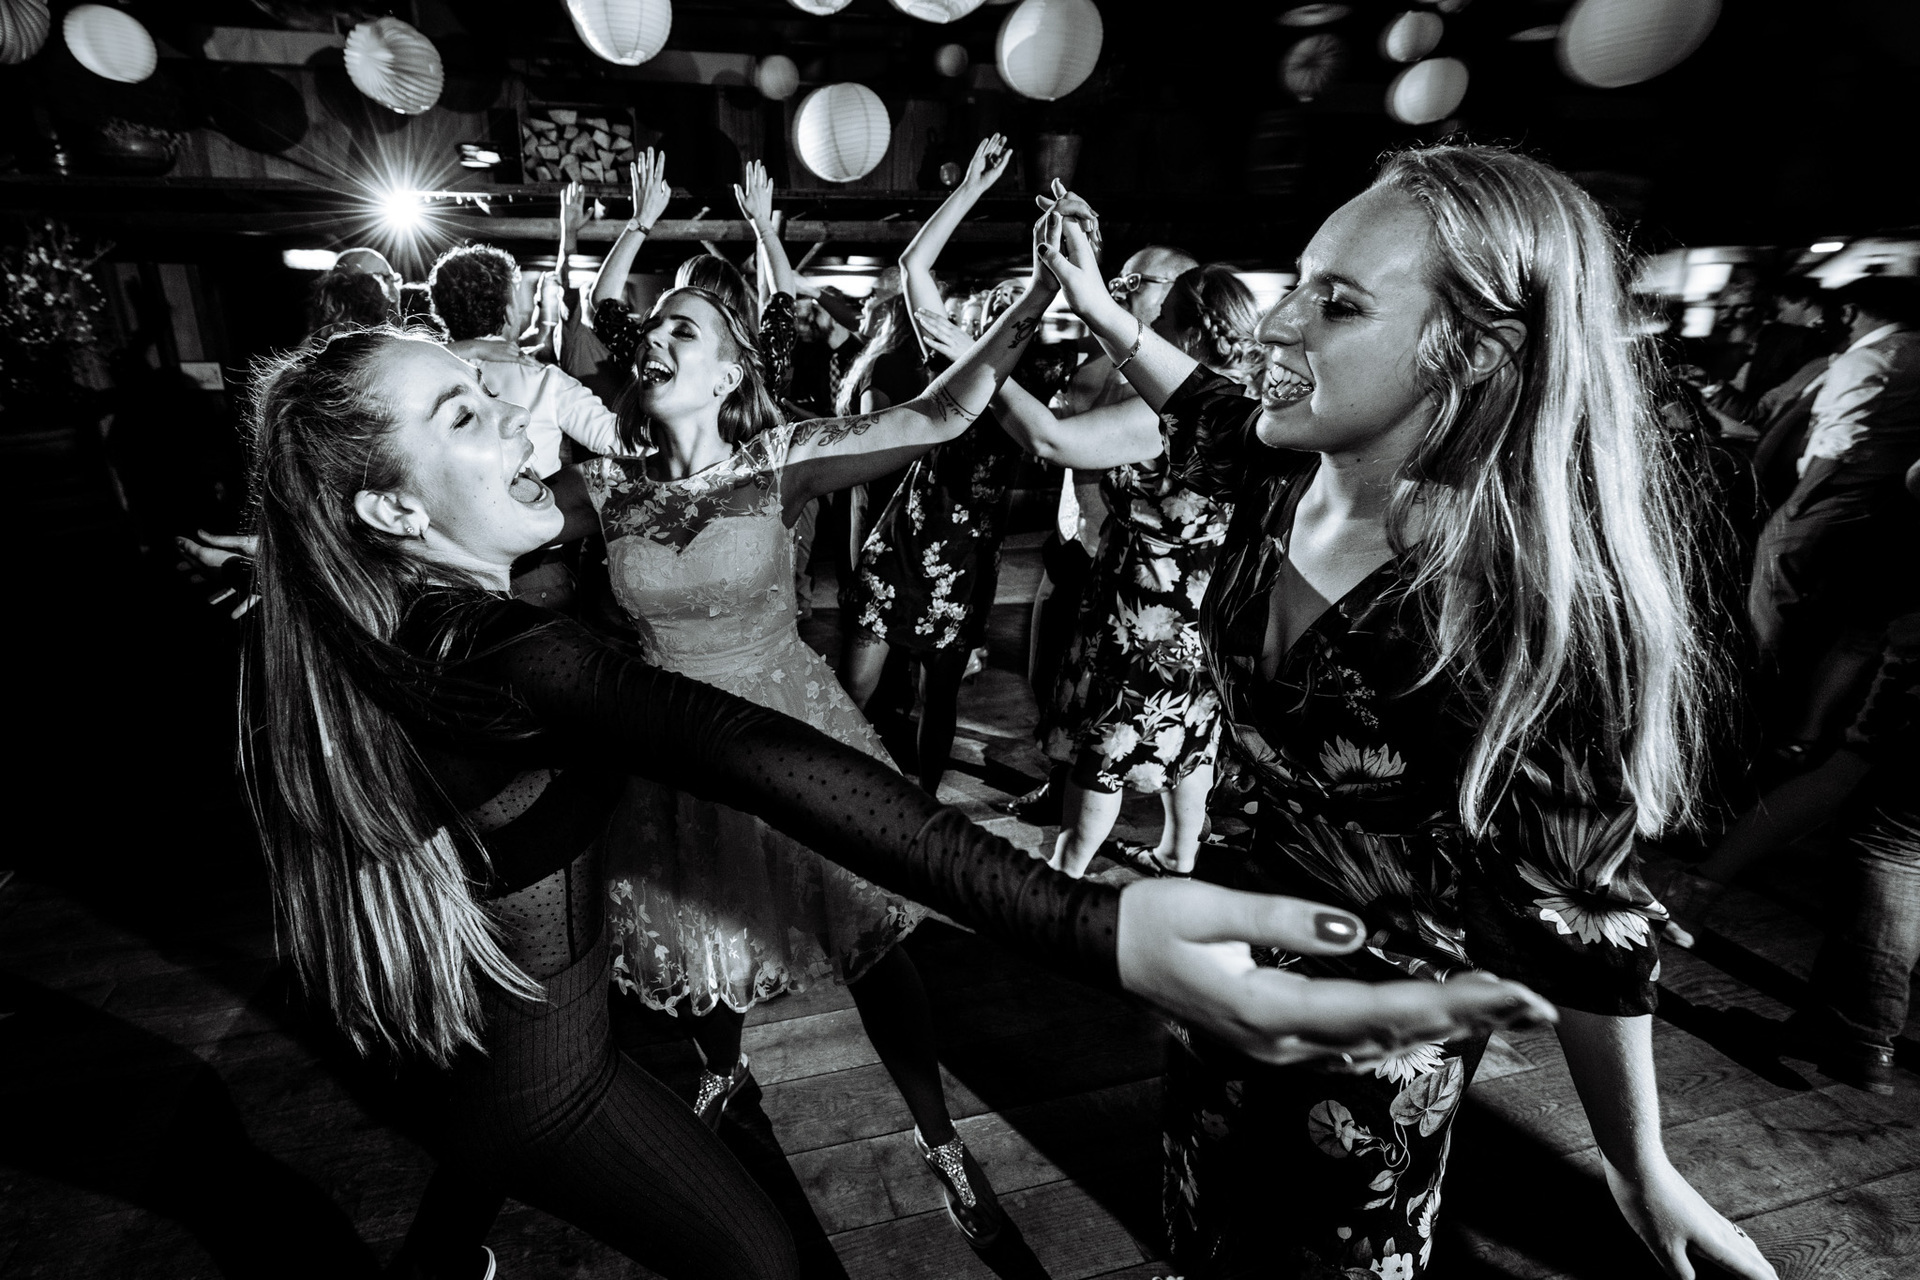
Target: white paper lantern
[(1411, 36), (1312, 64), (1427, 91), (1610, 43), (820, 8), (1314, 15), (937, 10), (395, 65), (1046, 48), (951, 60), (23, 28), (111, 44), (841, 131), (1451, 6), (776, 76), (627, 32)]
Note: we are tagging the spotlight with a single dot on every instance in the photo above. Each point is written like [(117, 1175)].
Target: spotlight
[(1828, 246), (478, 155), (402, 210), (309, 259)]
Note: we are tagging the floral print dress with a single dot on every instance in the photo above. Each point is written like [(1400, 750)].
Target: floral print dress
[(929, 569), (1354, 770), (710, 904), (1133, 705)]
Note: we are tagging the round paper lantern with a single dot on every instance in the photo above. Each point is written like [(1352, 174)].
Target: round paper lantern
[(111, 44), (395, 65), (951, 60), (1427, 91), (1314, 15), (1610, 43), (841, 131), (937, 10), (820, 8), (1312, 64), (23, 28), (1046, 48), (624, 31), (1411, 36), (776, 76)]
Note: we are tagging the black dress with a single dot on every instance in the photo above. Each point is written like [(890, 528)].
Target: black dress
[(930, 567), (1355, 769), (530, 724)]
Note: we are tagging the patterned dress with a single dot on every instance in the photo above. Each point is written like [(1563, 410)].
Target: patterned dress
[(1307, 1172), (929, 569), (1133, 705), (712, 905)]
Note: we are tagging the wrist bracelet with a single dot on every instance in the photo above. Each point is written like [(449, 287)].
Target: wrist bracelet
[(1133, 350), (634, 224)]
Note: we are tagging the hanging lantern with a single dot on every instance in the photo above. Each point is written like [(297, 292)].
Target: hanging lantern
[(951, 60), (111, 44), (1451, 6), (1536, 35), (820, 8), (1313, 64), (1046, 48), (1313, 15), (627, 32), (395, 65), (1427, 91), (841, 131), (1610, 43), (937, 10), (1411, 36), (23, 28), (776, 77)]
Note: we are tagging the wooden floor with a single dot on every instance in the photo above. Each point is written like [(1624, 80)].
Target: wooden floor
[(164, 1114)]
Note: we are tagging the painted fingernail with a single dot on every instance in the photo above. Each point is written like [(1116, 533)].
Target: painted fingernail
[(1332, 926)]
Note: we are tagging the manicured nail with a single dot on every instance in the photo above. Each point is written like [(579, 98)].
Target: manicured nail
[(1331, 926)]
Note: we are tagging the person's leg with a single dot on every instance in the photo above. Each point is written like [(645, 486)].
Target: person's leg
[(1087, 817), (1864, 972), (1186, 806), (861, 662), (946, 670)]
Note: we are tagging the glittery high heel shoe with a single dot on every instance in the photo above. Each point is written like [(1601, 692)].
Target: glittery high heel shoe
[(971, 1203), (716, 1091)]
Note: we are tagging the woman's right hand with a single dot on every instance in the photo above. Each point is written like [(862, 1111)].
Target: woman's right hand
[(212, 550), (990, 160), (650, 190), (1075, 265), (1185, 947)]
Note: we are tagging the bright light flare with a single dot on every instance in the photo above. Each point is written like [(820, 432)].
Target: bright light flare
[(1827, 246), (403, 210), (309, 259)]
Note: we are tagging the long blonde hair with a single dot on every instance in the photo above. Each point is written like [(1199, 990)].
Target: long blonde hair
[(1555, 545)]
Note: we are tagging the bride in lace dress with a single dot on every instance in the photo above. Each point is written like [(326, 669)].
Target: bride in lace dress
[(712, 906)]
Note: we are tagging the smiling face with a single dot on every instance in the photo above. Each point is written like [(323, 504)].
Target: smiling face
[(687, 361), (467, 462), (1341, 374)]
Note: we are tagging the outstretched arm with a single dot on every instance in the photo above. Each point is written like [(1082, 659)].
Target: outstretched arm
[(828, 454), (1154, 366), (1109, 436), (755, 197), (650, 196), (990, 160)]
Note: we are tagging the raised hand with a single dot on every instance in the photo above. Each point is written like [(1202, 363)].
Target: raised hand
[(1047, 234), (573, 208), (942, 334), (1068, 204), (650, 190), (1070, 259), (755, 195), (1184, 945), (990, 160)]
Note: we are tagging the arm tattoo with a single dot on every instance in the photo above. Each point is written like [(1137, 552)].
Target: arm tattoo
[(827, 432), (1021, 330), (949, 407)]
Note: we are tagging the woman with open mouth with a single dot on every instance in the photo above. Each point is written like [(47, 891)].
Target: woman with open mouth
[(1453, 638)]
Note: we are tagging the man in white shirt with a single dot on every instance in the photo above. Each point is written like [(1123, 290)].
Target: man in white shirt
[(1838, 558)]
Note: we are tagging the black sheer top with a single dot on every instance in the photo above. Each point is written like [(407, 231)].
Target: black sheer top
[(522, 691)]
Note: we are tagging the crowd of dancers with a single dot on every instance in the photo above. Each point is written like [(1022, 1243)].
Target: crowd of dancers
[(1410, 556)]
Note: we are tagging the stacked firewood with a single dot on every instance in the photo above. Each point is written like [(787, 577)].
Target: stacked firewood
[(567, 144)]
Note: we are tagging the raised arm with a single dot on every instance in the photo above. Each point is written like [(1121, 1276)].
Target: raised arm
[(990, 160), (828, 454), (1109, 436), (755, 197), (650, 196), (1154, 366)]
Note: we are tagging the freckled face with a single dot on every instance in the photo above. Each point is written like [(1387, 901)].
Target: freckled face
[(1341, 347)]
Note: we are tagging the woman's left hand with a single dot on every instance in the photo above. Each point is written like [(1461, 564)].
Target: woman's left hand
[(1675, 1221), (942, 334)]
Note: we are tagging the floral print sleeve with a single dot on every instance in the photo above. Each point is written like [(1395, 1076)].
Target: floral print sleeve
[(1554, 896), (617, 330), (1210, 444), (776, 342)]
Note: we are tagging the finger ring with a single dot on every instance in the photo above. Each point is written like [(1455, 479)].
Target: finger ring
[(1346, 1059)]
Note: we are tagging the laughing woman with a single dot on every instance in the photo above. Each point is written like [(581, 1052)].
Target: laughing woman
[(1450, 628)]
